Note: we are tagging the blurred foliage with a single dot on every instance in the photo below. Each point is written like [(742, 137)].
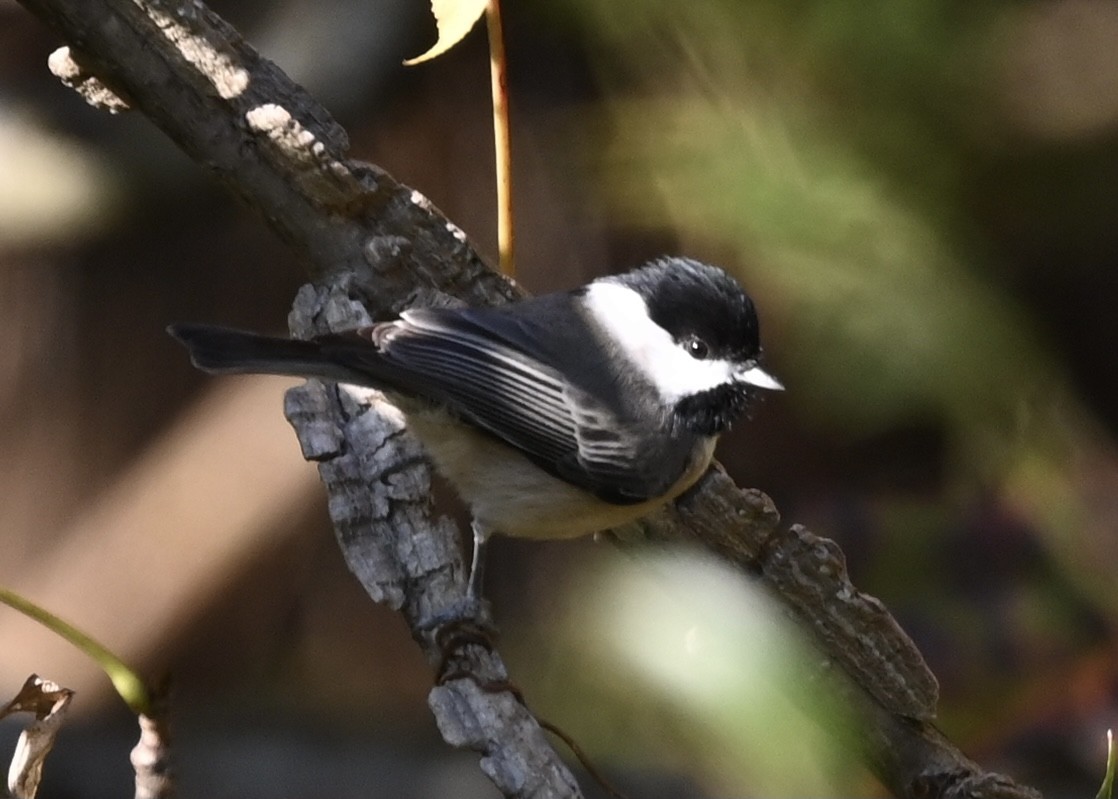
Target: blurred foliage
[(921, 196), (830, 147), (715, 673), (54, 189), (887, 320), (900, 184)]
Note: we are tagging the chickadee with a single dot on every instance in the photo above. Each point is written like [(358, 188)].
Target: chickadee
[(556, 416)]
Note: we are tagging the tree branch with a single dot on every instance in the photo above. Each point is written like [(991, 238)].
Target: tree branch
[(372, 245)]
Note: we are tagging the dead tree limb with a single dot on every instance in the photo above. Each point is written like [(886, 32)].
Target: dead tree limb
[(373, 245)]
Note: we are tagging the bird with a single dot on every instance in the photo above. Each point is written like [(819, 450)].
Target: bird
[(555, 416)]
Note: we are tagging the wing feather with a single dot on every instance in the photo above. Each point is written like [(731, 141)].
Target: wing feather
[(513, 400), (488, 369)]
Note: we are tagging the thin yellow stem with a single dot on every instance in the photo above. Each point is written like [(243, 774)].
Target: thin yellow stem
[(501, 143), (130, 687)]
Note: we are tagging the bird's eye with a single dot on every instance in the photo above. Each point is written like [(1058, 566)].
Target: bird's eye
[(697, 348)]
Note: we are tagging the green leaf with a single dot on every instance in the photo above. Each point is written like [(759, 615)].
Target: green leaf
[(454, 19)]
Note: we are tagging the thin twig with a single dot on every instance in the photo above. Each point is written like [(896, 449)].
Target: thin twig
[(375, 242), (502, 144)]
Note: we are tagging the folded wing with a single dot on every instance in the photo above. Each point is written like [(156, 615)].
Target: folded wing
[(485, 368)]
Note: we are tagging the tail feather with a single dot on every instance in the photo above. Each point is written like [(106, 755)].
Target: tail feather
[(219, 350)]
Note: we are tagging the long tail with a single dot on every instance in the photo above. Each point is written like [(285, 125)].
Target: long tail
[(219, 350)]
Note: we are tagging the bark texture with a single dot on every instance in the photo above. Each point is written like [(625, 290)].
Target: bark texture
[(371, 245)]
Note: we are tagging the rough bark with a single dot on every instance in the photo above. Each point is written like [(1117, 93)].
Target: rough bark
[(371, 245)]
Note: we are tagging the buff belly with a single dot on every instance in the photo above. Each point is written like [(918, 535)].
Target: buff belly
[(509, 494)]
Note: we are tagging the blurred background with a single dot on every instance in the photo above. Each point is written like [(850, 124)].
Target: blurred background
[(922, 197)]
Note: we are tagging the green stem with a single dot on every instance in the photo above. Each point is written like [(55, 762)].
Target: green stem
[(130, 687), (1107, 788)]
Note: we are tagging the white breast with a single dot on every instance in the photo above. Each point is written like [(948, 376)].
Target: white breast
[(511, 495)]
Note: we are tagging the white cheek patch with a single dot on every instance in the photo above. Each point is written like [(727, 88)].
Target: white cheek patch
[(666, 364)]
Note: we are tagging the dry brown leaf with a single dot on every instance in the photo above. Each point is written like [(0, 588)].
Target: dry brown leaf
[(48, 701)]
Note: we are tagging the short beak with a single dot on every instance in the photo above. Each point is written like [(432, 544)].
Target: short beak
[(756, 376)]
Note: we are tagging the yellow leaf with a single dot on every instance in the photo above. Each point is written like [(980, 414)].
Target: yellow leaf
[(454, 19)]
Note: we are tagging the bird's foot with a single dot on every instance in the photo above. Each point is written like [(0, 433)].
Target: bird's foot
[(464, 624)]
